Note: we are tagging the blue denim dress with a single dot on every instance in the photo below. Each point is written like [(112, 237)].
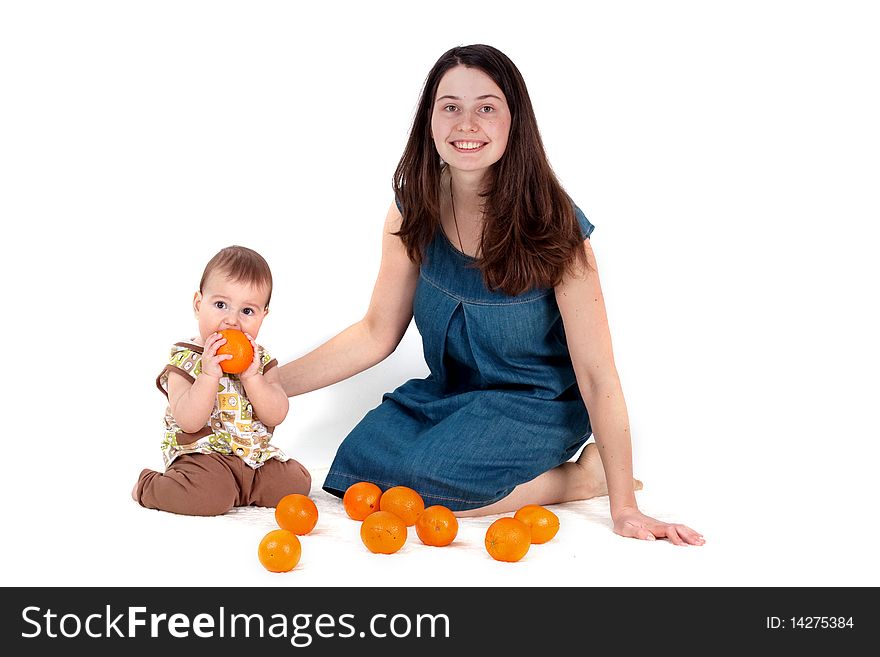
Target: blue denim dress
[(500, 406)]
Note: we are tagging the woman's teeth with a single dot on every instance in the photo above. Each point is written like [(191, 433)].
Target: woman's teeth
[(468, 145)]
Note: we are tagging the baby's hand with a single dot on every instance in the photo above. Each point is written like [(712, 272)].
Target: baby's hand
[(210, 359), (254, 368)]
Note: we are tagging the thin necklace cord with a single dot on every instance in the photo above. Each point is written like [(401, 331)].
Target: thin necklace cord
[(454, 218)]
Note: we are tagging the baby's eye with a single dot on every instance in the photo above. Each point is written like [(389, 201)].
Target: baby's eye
[(248, 311), (220, 305)]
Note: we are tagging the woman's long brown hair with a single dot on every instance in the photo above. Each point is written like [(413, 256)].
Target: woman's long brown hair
[(530, 233)]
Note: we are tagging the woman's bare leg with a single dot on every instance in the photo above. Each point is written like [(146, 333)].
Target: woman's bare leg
[(576, 480)]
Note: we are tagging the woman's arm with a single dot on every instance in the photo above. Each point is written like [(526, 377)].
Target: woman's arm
[(582, 306), (589, 342), (374, 337)]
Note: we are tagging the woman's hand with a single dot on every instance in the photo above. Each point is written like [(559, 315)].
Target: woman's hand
[(632, 523), (210, 359)]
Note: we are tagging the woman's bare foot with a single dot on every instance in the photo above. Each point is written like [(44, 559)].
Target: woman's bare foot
[(591, 476), (569, 482)]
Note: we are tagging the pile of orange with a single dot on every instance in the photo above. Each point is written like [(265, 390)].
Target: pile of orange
[(280, 549), (385, 517), (384, 531), (509, 539)]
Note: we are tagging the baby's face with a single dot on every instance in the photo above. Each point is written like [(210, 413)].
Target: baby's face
[(225, 304)]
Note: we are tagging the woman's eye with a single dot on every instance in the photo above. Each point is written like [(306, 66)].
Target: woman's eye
[(486, 109), (450, 108)]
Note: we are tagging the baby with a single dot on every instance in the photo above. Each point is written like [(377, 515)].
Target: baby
[(218, 425)]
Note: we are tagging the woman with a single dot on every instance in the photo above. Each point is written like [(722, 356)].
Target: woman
[(485, 249)]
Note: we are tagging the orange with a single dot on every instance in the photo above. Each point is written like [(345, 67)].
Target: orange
[(279, 551), (508, 539), (241, 349), (403, 502), (437, 526), (383, 532), (296, 513), (361, 499), (542, 522)]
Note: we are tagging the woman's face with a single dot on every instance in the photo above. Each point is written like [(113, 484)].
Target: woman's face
[(470, 121)]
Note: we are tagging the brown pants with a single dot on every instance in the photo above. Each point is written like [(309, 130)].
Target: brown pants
[(212, 484)]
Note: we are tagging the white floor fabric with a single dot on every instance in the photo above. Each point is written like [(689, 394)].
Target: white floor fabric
[(109, 540)]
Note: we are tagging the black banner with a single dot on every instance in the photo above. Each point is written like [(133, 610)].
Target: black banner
[(427, 621)]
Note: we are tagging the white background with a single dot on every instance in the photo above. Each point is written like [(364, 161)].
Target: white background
[(726, 152)]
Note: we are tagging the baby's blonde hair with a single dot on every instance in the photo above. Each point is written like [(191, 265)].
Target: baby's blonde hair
[(242, 264)]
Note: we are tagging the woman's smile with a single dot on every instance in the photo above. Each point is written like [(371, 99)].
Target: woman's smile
[(468, 146)]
